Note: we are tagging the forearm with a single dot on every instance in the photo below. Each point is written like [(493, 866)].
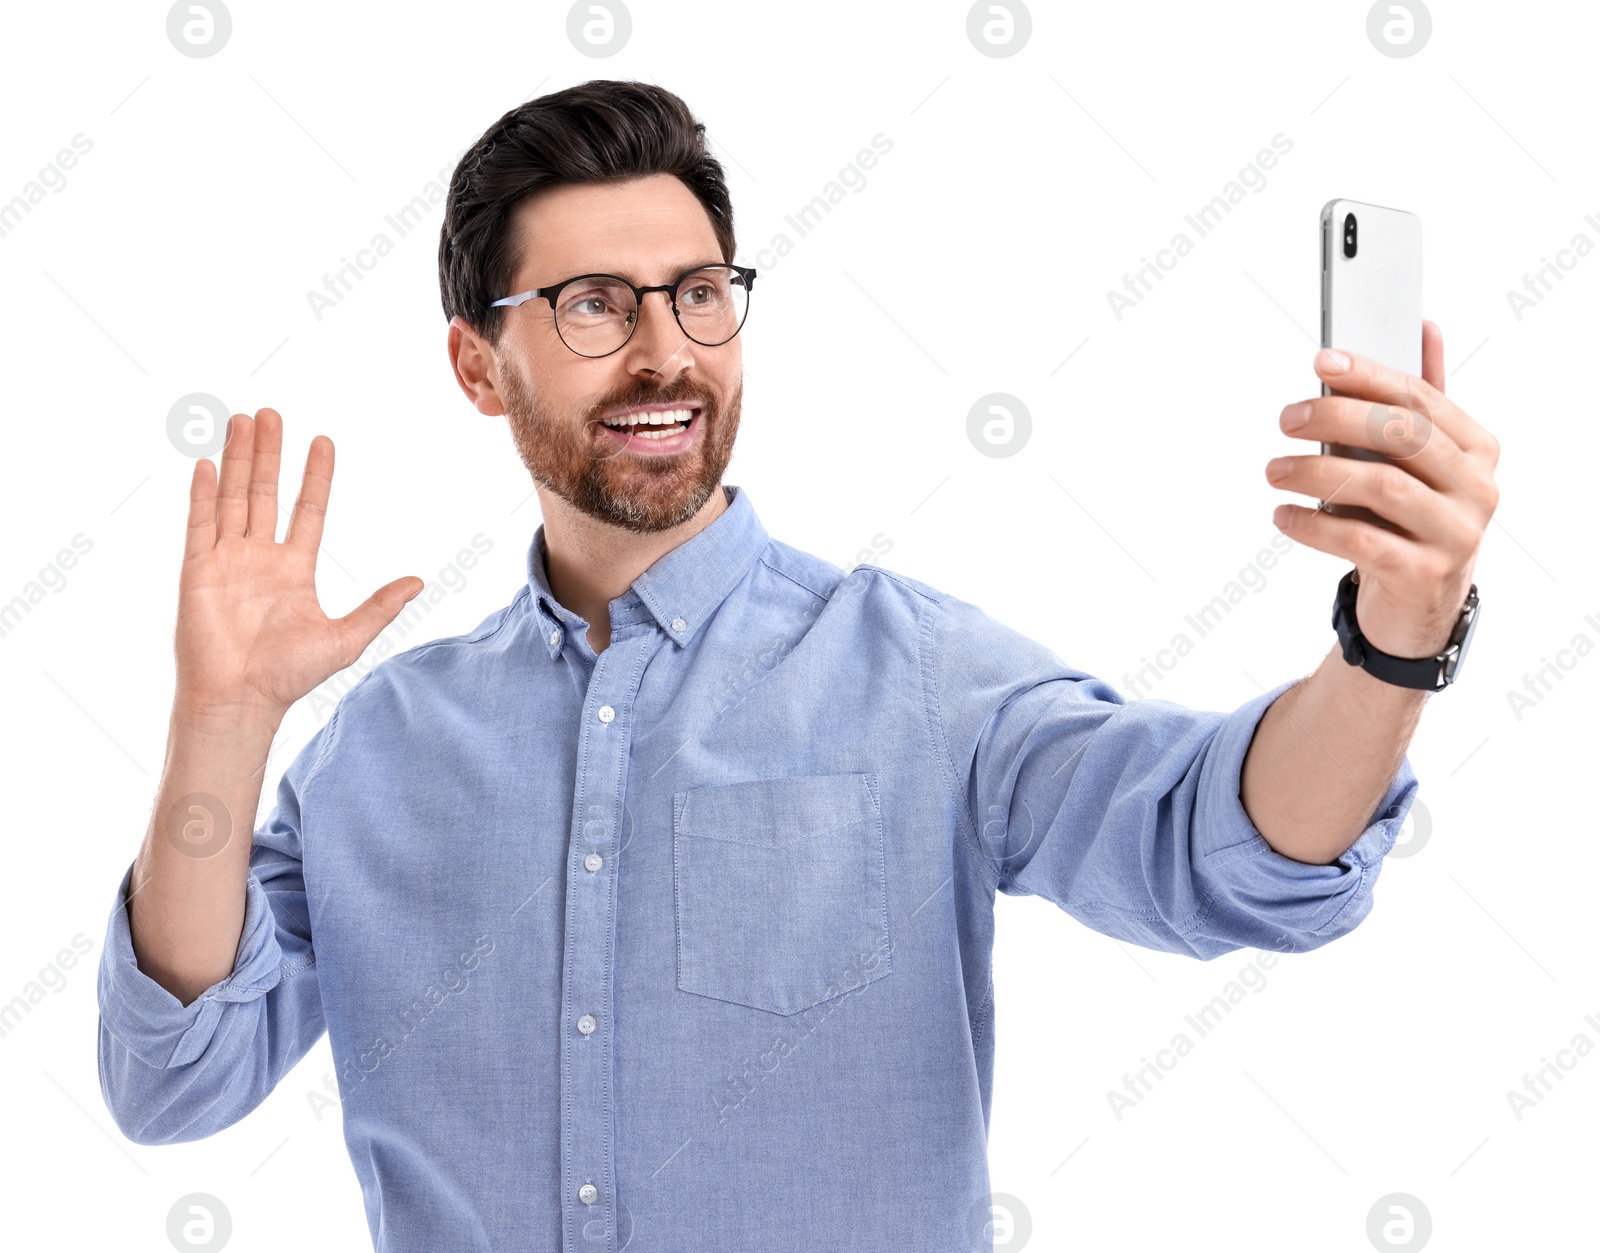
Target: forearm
[(187, 895), (1323, 757)]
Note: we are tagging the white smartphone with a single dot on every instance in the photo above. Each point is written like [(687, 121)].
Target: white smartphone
[(1371, 302)]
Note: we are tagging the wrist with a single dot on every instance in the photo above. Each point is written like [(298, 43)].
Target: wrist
[(224, 715), (1431, 672), (233, 732)]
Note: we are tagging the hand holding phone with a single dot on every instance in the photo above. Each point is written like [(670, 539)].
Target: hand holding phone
[(1382, 369), (1372, 304)]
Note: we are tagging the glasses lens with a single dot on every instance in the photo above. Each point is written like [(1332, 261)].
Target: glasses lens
[(594, 315), (712, 303)]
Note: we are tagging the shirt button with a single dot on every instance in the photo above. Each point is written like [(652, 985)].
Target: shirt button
[(593, 862), (678, 624), (607, 713), (555, 637), (586, 1025), (588, 1194)]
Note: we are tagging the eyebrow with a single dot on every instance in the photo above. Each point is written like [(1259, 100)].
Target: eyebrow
[(680, 270)]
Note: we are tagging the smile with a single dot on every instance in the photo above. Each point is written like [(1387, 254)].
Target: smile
[(659, 431), (653, 423)]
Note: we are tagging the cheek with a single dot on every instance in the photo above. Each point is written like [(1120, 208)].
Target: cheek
[(726, 370), (538, 354), (554, 380)]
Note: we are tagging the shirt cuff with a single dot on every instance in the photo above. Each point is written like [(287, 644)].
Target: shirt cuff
[(1236, 862), (149, 1021)]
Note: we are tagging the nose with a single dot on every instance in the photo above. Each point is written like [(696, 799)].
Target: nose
[(658, 344)]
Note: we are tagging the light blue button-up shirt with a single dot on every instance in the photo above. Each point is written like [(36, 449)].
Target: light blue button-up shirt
[(686, 945)]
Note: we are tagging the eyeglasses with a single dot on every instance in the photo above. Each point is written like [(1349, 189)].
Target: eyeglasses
[(596, 314)]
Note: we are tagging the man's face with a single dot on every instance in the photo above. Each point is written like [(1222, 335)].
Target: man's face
[(647, 231)]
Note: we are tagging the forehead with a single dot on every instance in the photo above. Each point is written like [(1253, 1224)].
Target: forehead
[(647, 230)]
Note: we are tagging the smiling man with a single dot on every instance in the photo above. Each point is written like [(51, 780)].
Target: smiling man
[(657, 911)]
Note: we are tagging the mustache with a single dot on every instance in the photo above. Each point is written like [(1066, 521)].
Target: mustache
[(627, 398)]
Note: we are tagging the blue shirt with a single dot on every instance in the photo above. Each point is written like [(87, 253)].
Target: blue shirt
[(687, 944)]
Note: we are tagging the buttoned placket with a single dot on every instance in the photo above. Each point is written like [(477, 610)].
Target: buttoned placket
[(588, 1125)]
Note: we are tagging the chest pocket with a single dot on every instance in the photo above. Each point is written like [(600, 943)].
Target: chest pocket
[(780, 891)]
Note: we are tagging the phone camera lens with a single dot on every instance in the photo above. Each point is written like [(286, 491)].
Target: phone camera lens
[(1349, 234)]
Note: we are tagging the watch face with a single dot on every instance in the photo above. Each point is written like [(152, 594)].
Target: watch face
[(1466, 640)]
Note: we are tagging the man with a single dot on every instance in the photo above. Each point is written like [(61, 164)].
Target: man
[(658, 909)]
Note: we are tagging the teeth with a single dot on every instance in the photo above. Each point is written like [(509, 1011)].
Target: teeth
[(670, 417)]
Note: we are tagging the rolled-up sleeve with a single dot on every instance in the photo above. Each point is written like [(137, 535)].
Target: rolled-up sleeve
[(1128, 815), (171, 1072)]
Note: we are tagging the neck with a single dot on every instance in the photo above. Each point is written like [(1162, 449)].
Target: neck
[(590, 563)]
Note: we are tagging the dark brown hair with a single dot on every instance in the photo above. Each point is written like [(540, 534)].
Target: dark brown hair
[(604, 131)]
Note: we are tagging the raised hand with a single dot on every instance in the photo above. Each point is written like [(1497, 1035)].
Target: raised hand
[(252, 637)]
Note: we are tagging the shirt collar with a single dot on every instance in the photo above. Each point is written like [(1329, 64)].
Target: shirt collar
[(680, 591)]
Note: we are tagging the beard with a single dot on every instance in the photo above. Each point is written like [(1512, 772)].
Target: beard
[(634, 491)]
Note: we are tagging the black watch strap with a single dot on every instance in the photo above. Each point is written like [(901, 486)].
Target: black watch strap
[(1427, 674)]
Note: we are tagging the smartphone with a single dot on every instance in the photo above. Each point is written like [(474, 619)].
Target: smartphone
[(1371, 304)]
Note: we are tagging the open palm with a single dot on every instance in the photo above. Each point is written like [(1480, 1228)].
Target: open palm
[(251, 634)]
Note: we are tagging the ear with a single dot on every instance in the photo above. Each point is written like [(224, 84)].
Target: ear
[(472, 360)]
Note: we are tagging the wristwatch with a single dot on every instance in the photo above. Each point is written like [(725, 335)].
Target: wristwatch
[(1427, 674)]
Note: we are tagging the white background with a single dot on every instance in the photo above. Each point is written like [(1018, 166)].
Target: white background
[(977, 258)]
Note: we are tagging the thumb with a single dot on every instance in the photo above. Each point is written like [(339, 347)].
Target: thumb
[(1433, 355), (361, 625)]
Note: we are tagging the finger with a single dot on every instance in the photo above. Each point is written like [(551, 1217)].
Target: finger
[(361, 625), (264, 474), (1365, 379), (1404, 435), (202, 532), (1403, 499), (233, 485), (1364, 545), (311, 506), (1433, 355)]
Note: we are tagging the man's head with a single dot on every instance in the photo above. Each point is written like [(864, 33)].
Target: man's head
[(601, 178)]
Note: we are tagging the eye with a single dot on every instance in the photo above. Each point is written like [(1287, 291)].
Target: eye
[(590, 303), (594, 300)]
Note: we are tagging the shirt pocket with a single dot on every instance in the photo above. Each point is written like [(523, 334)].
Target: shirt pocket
[(780, 890)]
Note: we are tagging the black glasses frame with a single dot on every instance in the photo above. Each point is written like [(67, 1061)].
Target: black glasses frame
[(550, 293)]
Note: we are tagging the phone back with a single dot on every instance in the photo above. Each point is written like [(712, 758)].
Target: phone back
[(1371, 301)]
